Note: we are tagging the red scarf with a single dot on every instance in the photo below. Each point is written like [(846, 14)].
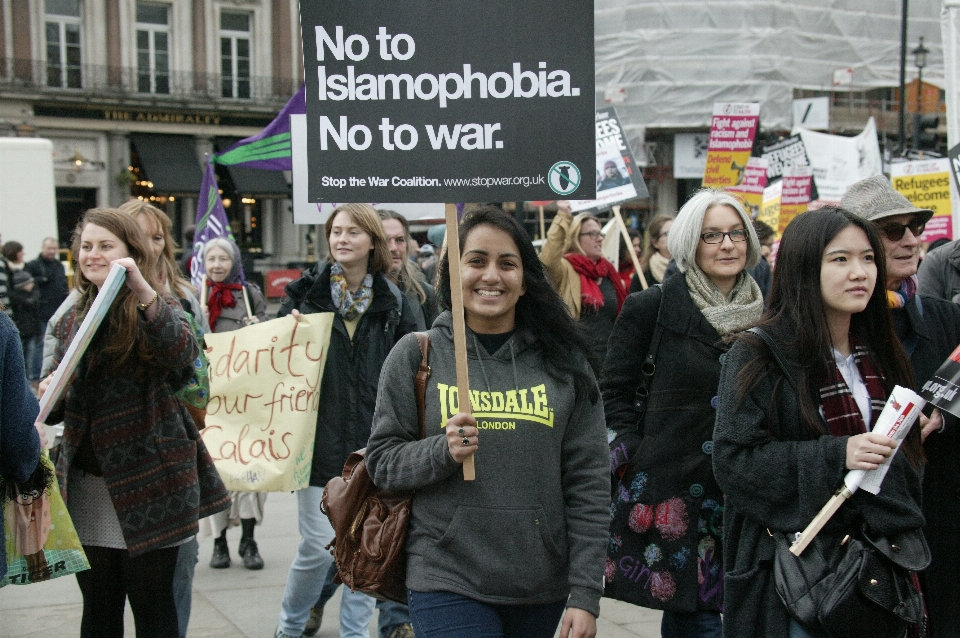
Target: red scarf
[(220, 298), (840, 408), (589, 273)]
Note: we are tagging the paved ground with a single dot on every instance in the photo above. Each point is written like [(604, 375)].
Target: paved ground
[(236, 603)]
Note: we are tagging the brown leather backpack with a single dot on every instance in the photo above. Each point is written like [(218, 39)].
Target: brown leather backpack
[(370, 524)]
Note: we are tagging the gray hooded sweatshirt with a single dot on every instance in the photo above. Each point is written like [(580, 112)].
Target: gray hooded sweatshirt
[(533, 527)]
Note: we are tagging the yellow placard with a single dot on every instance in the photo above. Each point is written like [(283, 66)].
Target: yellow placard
[(770, 208), (926, 184), (264, 397)]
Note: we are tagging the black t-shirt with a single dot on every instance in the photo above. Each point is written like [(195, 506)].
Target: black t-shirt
[(492, 343)]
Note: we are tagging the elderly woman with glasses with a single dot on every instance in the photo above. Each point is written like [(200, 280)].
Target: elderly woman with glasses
[(589, 285), (660, 397)]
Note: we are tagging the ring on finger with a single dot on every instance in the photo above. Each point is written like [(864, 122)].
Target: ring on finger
[(465, 442), (460, 431)]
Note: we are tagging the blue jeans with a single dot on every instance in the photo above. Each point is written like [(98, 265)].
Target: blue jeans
[(441, 614), (183, 582), (391, 616), (308, 571), (802, 631), (30, 347), (698, 624), (35, 361)]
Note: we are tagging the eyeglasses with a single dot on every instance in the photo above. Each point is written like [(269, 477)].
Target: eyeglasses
[(716, 237), (895, 231), (594, 235)]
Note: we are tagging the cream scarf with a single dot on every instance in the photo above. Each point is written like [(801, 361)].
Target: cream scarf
[(658, 266), (731, 313)]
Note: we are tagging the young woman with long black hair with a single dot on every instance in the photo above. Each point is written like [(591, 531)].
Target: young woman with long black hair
[(504, 555), (779, 453)]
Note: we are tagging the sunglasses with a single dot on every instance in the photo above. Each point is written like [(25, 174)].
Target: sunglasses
[(895, 231)]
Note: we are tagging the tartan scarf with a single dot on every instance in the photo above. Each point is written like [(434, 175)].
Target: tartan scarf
[(839, 407), (589, 273)]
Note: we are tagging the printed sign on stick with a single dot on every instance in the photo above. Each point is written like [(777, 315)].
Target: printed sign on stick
[(795, 195), (927, 185), (468, 101), (750, 190), (732, 130), (618, 177)]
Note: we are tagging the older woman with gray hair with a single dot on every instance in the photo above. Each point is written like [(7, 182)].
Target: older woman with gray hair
[(659, 388), (225, 303)]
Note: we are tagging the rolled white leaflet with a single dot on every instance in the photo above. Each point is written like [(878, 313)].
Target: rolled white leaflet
[(898, 416)]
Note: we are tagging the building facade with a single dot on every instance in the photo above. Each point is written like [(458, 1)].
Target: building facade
[(135, 94)]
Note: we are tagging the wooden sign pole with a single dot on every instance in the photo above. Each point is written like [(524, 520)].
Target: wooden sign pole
[(543, 226), (633, 254), (459, 324), (246, 302)]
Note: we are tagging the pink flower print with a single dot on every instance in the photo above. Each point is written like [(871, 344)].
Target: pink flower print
[(662, 586), (641, 516), (672, 519), (609, 569)]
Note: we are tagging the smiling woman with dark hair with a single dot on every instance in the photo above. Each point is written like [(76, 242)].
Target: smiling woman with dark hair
[(537, 432)]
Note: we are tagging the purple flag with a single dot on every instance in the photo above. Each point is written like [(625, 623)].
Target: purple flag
[(211, 222), (270, 148)]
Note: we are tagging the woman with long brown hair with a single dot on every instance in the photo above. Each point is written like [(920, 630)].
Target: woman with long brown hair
[(133, 471)]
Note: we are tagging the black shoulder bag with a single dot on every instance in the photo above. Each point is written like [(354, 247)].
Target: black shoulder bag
[(857, 587)]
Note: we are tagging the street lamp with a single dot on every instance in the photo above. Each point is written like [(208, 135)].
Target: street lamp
[(920, 60)]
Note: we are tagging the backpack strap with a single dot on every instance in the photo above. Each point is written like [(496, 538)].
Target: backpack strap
[(649, 365), (420, 380), (777, 355)]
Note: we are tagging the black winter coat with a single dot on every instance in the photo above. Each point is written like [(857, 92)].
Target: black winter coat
[(348, 391), (929, 336), (666, 534), (51, 281), (777, 475)]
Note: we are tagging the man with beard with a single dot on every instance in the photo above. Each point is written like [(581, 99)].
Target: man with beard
[(404, 273)]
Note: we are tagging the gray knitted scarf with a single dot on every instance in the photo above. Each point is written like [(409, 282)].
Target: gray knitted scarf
[(726, 313)]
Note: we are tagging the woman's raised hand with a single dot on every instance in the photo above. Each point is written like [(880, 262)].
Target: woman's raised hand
[(135, 281), (462, 436), (868, 451)]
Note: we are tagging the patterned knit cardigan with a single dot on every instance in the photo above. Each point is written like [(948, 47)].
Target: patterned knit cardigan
[(158, 472)]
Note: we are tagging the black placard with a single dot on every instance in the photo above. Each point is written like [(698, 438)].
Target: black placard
[(533, 141)]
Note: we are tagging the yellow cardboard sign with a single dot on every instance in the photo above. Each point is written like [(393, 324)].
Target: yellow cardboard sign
[(926, 184), (770, 208), (264, 397)]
